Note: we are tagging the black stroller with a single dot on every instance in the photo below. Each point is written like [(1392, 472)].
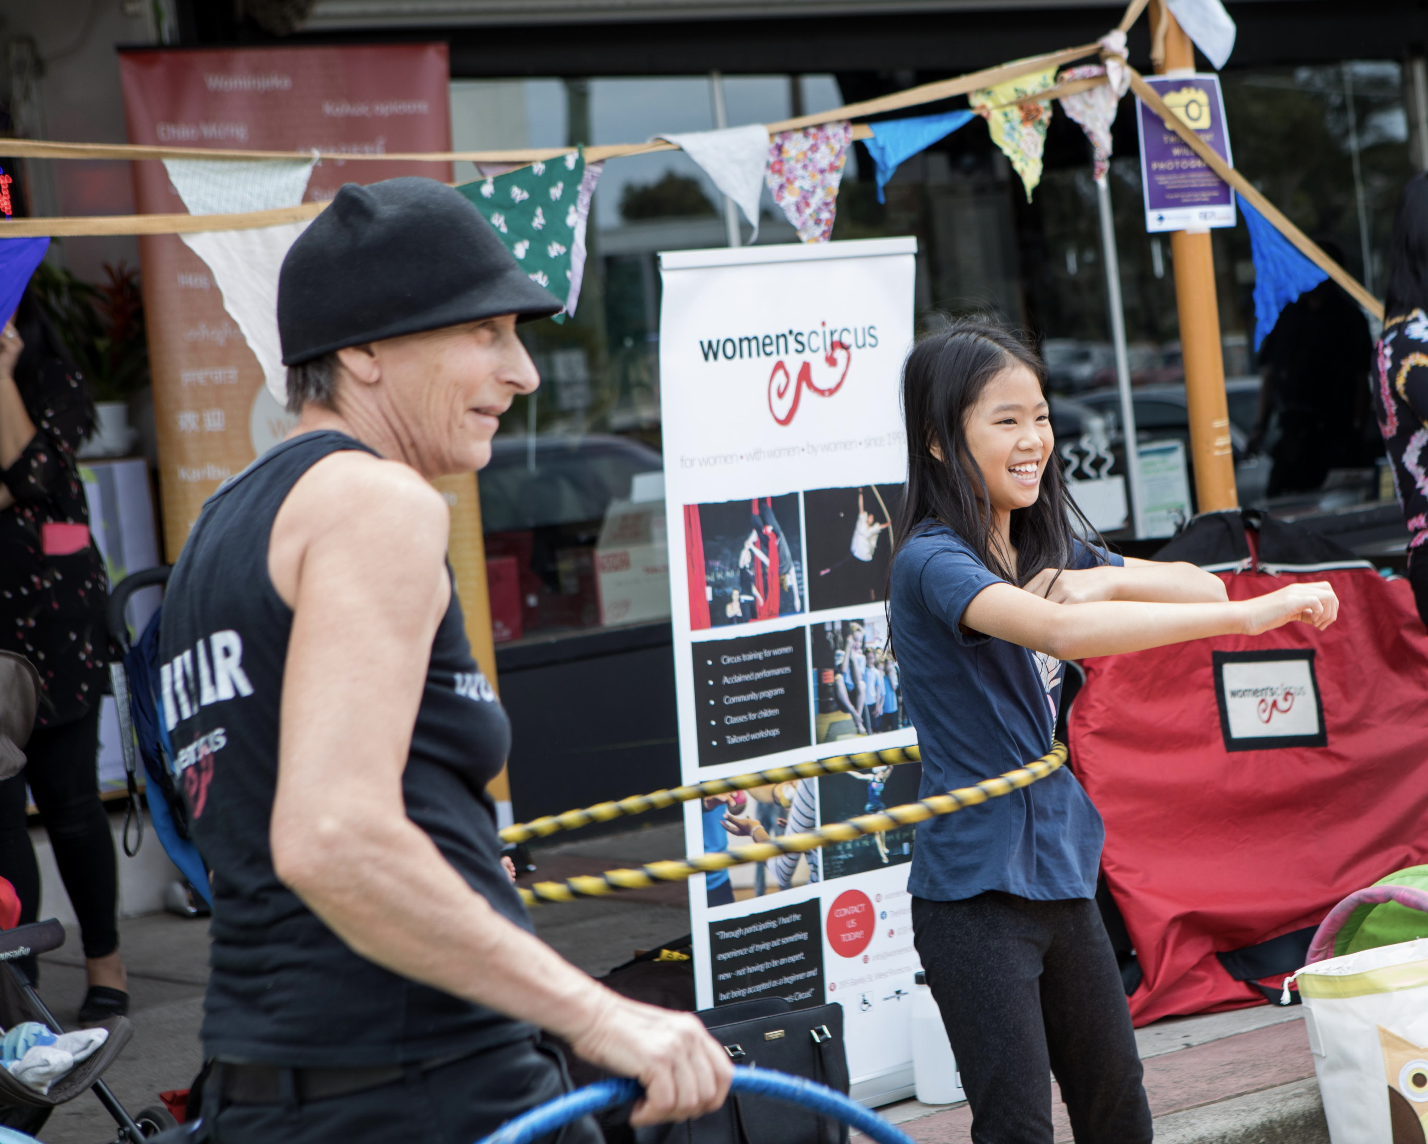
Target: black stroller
[(22, 1108), (26, 1110)]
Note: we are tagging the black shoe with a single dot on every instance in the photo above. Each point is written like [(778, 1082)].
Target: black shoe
[(100, 1004)]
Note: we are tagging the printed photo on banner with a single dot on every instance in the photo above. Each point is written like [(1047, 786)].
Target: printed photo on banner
[(856, 679), (745, 557), (845, 796), (849, 544), (757, 815)]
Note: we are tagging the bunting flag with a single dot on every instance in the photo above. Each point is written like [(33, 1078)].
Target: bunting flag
[(1095, 110), (804, 170), (245, 263), (540, 213), (1018, 128), (897, 140), (1114, 55), (1208, 24), (19, 258), (734, 159), (1281, 271)]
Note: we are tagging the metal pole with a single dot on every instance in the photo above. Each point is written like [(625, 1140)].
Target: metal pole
[(721, 121), (1365, 252), (1118, 338), (1199, 312), (1418, 94)]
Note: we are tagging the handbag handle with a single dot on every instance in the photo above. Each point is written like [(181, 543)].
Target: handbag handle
[(1322, 947)]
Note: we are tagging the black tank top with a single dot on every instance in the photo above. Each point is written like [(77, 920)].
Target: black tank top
[(286, 990)]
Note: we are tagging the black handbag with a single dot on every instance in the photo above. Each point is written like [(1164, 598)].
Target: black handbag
[(771, 1034)]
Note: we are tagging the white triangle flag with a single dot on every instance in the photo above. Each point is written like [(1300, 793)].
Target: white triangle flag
[(1209, 25), (735, 159), (245, 263)]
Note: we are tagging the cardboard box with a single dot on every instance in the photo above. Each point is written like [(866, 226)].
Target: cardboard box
[(632, 563)]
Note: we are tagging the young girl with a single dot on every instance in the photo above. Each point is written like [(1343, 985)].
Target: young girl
[(990, 591)]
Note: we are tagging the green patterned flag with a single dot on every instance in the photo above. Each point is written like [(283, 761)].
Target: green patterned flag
[(540, 212)]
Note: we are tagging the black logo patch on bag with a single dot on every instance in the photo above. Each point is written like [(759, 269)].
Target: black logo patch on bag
[(1269, 699)]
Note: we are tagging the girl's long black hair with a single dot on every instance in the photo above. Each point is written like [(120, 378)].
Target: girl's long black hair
[(1408, 269), (942, 379)]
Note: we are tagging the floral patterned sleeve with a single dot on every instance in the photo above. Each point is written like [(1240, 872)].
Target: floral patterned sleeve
[(1400, 398), (62, 421)]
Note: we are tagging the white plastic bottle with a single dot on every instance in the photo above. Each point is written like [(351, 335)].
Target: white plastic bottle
[(934, 1070)]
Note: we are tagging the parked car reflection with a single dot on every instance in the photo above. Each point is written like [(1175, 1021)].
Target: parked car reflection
[(1161, 414), (542, 504)]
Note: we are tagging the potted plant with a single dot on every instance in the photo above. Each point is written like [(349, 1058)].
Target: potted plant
[(102, 327)]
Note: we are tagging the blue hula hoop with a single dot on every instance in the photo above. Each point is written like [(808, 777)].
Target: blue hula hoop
[(557, 1113)]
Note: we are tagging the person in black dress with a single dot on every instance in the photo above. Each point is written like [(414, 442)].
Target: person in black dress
[(53, 591)]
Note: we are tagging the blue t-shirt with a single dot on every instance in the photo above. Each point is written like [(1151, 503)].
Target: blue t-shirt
[(983, 706), (716, 838)]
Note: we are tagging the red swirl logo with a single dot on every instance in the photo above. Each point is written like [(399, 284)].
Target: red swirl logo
[(1280, 704), (785, 394)]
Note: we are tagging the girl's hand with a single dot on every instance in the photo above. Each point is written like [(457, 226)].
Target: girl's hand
[(1074, 585), (746, 827), (1308, 603), (10, 346)]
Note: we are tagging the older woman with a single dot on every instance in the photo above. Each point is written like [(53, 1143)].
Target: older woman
[(374, 972)]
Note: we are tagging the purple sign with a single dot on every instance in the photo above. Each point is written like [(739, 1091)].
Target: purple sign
[(1181, 192)]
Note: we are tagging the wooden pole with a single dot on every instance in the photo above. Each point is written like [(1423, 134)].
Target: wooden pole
[(1199, 311)]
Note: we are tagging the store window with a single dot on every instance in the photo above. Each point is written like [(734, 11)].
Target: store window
[(573, 500)]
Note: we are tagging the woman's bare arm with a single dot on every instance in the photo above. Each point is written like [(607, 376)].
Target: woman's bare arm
[(369, 588), (1109, 627), (1173, 582)]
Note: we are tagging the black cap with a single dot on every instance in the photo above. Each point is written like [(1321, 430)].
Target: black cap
[(920, 977), (393, 258)]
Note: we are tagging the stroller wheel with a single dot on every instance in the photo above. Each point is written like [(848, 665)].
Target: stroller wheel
[(155, 1119)]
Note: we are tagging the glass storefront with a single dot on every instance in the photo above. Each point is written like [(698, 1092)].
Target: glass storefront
[(573, 500)]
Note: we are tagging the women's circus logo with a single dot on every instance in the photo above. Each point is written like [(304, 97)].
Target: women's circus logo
[(785, 392)]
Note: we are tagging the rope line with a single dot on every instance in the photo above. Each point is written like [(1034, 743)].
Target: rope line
[(679, 869), (657, 800)]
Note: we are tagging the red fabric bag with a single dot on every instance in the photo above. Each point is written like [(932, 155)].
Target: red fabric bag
[(1250, 783)]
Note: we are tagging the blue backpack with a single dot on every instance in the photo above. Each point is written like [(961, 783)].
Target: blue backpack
[(167, 811)]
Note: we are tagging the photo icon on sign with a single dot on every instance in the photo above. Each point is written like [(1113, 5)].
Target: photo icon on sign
[(850, 540), (754, 816), (853, 793), (856, 679), (745, 561)]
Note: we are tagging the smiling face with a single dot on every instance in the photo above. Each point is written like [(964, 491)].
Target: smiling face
[(442, 393), (1008, 434)]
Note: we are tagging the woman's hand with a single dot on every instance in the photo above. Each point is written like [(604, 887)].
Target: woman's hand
[(11, 345), (684, 1070), (1308, 603)]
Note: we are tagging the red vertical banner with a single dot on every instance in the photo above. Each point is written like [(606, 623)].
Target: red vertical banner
[(214, 414)]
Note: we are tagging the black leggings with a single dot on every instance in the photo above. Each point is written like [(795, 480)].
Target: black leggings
[(1028, 989), (1418, 578), (61, 773)]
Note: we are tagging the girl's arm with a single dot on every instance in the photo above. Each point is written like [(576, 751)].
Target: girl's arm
[(1146, 580), (1109, 627)]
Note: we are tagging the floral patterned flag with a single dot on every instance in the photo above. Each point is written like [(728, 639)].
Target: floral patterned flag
[(1019, 129), (805, 168), (1095, 110), (540, 212)]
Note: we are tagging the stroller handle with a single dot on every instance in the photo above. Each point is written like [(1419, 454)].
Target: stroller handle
[(119, 599), (557, 1113)]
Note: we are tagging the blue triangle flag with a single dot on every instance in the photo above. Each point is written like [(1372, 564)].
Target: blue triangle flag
[(895, 140), (1281, 271), (18, 259)]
